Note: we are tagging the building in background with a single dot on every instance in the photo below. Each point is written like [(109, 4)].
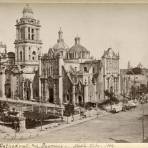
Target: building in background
[(134, 81), (111, 71)]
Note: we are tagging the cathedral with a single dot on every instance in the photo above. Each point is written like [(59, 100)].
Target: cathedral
[(63, 74)]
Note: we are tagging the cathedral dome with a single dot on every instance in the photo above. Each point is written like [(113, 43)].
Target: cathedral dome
[(60, 45), (78, 47), (77, 51)]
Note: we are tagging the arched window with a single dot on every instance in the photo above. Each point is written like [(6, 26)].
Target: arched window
[(21, 56), (33, 55), (85, 69), (32, 36), (28, 33)]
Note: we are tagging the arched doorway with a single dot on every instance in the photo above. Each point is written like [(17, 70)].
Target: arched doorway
[(8, 90), (68, 98), (80, 101), (51, 95)]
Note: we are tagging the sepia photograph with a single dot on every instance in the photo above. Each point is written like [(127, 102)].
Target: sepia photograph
[(74, 73)]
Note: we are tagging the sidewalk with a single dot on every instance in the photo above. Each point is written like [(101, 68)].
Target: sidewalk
[(30, 133)]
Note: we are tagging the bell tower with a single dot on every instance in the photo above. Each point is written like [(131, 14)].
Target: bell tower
[(27, 44)]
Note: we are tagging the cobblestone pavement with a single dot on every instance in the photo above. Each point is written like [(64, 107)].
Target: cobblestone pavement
[(119, 127)]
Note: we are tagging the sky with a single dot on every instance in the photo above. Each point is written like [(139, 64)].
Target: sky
[(122, 27)]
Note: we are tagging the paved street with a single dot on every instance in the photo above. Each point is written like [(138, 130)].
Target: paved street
[(120, 127)]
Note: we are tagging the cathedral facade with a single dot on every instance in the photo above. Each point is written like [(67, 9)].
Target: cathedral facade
[(70, 74)]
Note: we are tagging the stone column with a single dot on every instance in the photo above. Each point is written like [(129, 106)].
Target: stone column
[(31, 91), (73, 94), (40, 72), (23, 91), (22, 123), (3, 84), (26, 33), (54, 92), (41, 91), (85, 92), (60, 80), (95, 96), (46, 91), (60, 90)]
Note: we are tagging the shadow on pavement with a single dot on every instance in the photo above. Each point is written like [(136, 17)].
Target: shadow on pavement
[(120, 140)]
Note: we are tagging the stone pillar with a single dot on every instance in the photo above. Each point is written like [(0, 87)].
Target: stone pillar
[(43, 91), (60, 90), (3, 84), (23, 91), (46, 91), (41, 95), (26, 33), (95, 96), (22, 123), (85, 92), (40, 88), (61, 63), (108, 83), (54, 92), (31, 91), (73, 94)]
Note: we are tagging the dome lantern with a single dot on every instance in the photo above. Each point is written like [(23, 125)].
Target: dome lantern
[(77, 40), (60, 33), (27, 11)]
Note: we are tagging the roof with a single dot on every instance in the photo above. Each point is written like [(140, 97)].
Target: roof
[(60, 45), (78, 48)]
